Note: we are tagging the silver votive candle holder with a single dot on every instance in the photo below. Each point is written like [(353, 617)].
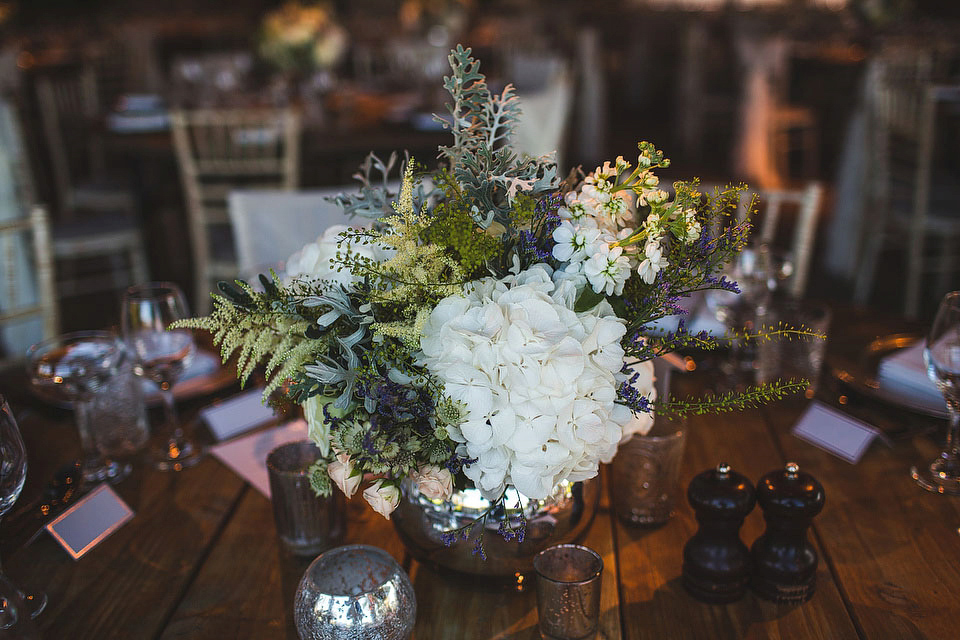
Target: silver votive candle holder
[(568, 592), (355, 592)]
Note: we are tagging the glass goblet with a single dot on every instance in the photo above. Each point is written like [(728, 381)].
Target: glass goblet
[(163, 354), (73, 368), (14, 604), (941, 354)]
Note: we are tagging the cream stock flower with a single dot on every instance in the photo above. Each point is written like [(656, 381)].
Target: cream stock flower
[(538, 380), (433, 482), (384, 498)]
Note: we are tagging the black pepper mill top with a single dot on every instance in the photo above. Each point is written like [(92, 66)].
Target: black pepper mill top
[(790, 493), (716, 563), (721, 493), (785, 563)]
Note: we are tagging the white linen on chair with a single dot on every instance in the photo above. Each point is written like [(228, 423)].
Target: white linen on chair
[(541, 128), (269, 226)]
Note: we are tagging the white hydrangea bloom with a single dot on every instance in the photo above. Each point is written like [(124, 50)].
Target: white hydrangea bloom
[(538, 380), (314, 260), (642, 422)]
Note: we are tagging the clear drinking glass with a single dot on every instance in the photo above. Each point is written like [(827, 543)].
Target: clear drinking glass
[(942, 357), (163, 354), (13, 472), (74, 368)]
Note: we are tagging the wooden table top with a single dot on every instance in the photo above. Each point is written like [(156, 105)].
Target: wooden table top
[(200, 559)]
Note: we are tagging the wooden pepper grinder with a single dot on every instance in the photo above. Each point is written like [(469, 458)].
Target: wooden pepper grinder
[(784, 561), (716, 563)]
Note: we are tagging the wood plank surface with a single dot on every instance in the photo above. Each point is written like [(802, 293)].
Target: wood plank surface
[(650, 560), (245, 588), (127, 586), (893, 545)]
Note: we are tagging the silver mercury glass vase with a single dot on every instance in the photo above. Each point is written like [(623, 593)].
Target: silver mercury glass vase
[(562, 517), (355, 592)]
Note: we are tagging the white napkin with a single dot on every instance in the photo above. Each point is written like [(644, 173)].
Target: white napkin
[(247, 456), (903, 376)]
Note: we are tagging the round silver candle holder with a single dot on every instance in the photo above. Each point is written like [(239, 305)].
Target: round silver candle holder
[(355, 592)]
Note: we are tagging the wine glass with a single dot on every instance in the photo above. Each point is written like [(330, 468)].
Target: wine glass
[(73, 368), (163, 354), (941, 354), (13, 473)]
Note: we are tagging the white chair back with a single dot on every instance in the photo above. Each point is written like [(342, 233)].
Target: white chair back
[(269, 226), (543, 123)]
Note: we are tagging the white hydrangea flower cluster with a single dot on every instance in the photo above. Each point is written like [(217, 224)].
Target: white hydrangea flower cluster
[(537, 379), (595, 236)]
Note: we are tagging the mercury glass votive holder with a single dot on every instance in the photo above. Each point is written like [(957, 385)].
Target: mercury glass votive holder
[(306, 524), (355, 592), (568, 592)]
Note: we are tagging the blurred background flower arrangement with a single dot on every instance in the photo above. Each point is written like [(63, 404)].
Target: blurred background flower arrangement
[(302, 37)]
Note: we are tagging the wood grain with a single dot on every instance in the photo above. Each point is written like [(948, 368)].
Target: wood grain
[(893, 545), (126, 586)]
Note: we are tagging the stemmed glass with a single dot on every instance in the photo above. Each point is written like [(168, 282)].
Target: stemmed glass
[(74, 367), (13, 473), (163, 354), (942, 357)]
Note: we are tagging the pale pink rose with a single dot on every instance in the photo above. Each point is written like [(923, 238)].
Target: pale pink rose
[(341, 472), (433, 482), (384, 498)]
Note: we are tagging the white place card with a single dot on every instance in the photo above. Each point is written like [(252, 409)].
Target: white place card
[(835, 432), (236, 415), (87, 523), (247, 456)]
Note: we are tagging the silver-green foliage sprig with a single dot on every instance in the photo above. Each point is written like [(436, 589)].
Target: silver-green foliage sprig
[(489, 171)]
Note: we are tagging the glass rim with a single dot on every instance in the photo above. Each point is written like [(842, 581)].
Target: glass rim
[(70, 335), (138, 291), (272, 466), (579, 547)]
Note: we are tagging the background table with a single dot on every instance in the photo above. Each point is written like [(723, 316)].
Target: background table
[(200, 559)]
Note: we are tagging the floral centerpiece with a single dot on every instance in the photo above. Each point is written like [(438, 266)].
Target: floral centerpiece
[(302, 38), (489, 329)]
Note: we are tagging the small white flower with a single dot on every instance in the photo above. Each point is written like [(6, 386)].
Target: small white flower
[(607, 269), (656, 196), (384, 498), (654, 262), (692, 225), (433, 482), (342, 472), (615, 212), (572, 243)]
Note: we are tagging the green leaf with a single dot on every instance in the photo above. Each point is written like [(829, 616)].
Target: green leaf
[(587, 300)]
